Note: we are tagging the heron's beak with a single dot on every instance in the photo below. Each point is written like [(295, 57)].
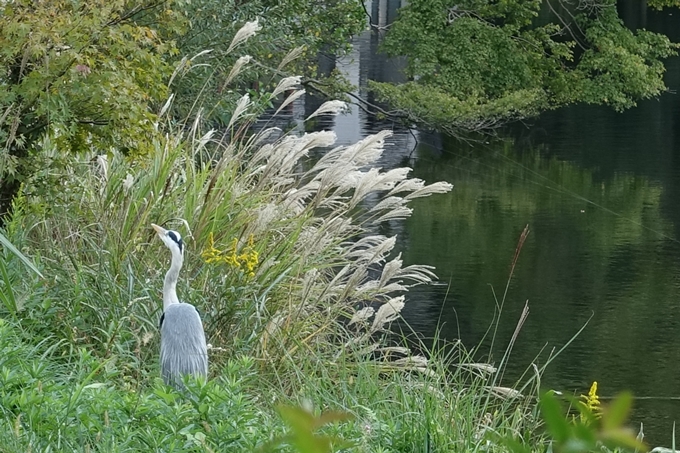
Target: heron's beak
[(160, 230)]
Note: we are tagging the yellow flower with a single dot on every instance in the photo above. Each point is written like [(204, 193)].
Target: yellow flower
[(231, 259), (246, 261), (592, 401), (250, 258), (211, 254)]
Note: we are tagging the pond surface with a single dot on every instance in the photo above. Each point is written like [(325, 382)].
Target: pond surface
[(600, 193)]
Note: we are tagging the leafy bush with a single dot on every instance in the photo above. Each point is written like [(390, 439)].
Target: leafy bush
[(308, 224), (47, 404), (87, 74)]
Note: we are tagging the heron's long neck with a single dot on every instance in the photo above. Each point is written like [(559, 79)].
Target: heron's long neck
[(170, 285)]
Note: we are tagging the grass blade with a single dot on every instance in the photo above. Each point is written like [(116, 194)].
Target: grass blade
[(8, 245)]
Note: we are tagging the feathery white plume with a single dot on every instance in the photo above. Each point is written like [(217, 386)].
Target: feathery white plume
[(103, 161), (236, 69), (247, 31), (200, 54), (286, 84), (292, 55), (400, 213), (483, 367), (289, 99), (128, 182), (387, 313), (241, 106), (329, 108), (362, 315), (505, 392), (437, 187)]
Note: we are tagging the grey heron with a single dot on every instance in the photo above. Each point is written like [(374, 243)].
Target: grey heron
[(183, 347)]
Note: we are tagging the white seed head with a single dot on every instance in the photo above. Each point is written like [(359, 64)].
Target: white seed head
[(128, 182), (362, 315), (289, 99), (329, 108), (241, 107), (286, 84), (236, 69), (246, 32), (387, 313)]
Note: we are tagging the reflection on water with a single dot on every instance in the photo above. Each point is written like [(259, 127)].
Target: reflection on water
[(600, 192), (599, 248)]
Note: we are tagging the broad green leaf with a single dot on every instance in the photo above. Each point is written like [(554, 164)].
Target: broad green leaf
[(617, 411), (554, 417), (8, 245)]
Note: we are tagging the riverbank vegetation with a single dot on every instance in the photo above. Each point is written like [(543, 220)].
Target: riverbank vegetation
[(96, 74), (486, 63), (283, 259), (104, 80), (106, 130), (295, 288)]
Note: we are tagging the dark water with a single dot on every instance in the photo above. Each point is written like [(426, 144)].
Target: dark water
[(600, 192)]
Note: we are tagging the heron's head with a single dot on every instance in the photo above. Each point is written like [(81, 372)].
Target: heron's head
[(171, 239)]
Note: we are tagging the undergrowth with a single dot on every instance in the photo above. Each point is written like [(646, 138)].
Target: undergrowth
[(296, 290)]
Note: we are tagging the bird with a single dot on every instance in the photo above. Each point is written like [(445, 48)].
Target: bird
[(183, 347)]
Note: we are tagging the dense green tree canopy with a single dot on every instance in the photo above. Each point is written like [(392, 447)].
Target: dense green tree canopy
[(86, 73), (482, 62), (93, 75)]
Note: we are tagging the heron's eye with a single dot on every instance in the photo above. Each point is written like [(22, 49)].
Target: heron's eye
[(174, 235)]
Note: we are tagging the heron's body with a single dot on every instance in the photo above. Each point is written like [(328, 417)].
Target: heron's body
[(183, 347)]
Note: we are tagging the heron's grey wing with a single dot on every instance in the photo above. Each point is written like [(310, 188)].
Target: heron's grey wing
[(160, 323), (183, 346)]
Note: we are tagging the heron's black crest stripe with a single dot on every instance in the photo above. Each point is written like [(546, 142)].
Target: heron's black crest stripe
[(177, 238), (160, 324)]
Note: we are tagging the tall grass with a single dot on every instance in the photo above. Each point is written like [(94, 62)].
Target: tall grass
[(308, 223), (283, 260), (310, 315)]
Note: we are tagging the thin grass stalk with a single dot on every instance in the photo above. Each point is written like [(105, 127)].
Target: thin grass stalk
[(506, 355), (559, 351), (515, 258), (223, 199)]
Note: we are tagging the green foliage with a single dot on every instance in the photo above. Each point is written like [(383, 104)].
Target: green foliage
[(103, 271), (10, 247), (285, 237), (45, 404), (91, 74), (436, 108), (660, 4), (488, 62), (293, 32), (97, 76), (303, 425), (588, 432), (78, 363), (86, 73)]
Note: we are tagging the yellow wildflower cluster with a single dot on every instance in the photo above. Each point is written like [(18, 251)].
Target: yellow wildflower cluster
[(246, 261), (592, 401)]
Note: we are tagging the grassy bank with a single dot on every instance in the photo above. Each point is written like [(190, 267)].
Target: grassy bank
[(296, 286), (296, 290), (84, 405)]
